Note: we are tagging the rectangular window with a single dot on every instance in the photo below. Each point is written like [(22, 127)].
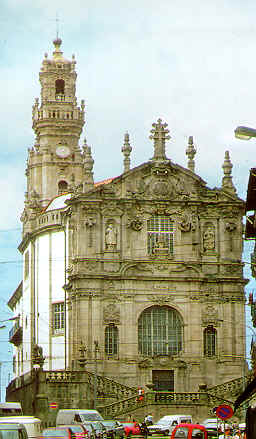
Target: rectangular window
[(26, 265), (160, 234), (58, 317)]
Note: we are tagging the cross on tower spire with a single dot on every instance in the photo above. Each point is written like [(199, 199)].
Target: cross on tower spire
[(159, 135)]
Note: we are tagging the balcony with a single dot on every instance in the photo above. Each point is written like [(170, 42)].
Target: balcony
[(15, 334)]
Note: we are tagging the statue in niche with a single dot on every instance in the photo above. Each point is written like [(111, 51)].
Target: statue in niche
[(209, 239), (110, 235)]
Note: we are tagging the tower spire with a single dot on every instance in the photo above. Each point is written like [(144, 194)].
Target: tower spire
[(191, 152), (159, 135)]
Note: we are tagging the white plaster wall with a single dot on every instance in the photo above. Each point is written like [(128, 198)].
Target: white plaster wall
[(26, 312)]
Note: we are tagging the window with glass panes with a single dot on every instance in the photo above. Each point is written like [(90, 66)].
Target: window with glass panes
[(58, 317), (210, 341), (111, 339), (160, 331), (160, 233)]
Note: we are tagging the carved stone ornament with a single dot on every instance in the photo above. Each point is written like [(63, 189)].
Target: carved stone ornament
[(184, 222), (111, 314), (90, 222), (209, 238), (145, 364), (111, 236), (135, 223), (210, 315), (160, 300)]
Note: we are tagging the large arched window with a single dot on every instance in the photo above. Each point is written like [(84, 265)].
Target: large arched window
[(210, 334), (111, 339), (160, 234), (160, 331)]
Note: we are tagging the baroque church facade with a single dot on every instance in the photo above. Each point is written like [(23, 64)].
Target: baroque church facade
[(143, 271)]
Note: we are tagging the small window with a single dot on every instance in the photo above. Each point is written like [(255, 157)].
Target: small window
[(58, 317), (210, 341), (26, 265), (59, 87), (62, 186), (111, 339)]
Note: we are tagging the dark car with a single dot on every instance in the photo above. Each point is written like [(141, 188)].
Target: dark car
[(58, 432), (101, 430), (114, 428), (92, 433)]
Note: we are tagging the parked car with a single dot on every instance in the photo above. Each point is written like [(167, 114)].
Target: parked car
[(32, 425), (78, 430), (166, 424), (189, 431), (72, 416), (114, 428), (92, 433), (101, 430), (58, 432), (12, 430)]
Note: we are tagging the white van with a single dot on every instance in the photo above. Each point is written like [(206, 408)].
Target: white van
[(74, 416), (167, 423), (32, 425)]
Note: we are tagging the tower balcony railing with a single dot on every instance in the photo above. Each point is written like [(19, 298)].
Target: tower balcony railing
[(15, 334)]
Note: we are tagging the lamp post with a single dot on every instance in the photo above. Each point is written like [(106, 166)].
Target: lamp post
[(82, 363)]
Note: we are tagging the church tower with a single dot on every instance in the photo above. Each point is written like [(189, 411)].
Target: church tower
[(55, 163)]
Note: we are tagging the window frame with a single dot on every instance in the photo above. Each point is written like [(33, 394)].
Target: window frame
[(210, 341), (111, 340), (160, 232), (160, 331), (58, 318)]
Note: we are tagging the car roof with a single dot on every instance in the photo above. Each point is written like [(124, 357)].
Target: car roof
[(11, 425)]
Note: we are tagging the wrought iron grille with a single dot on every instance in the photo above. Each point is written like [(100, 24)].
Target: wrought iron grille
[(160, 331)]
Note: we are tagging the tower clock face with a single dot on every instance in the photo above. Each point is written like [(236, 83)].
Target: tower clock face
[(62, 151)]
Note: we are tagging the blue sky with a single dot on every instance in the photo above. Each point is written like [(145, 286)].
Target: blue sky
[(190, 62)]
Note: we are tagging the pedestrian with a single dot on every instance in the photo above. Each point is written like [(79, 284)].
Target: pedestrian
[(140, 396), (149, 419)]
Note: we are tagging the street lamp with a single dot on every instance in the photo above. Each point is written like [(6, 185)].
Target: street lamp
[(245, 133), (82, 363)]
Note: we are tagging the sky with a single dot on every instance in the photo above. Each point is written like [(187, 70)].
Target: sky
[(189, 62)]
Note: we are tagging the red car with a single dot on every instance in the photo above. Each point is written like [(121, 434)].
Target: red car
[(78, 430), (189, 431)]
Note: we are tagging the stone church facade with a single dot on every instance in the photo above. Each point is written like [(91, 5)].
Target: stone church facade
[(142, 271)]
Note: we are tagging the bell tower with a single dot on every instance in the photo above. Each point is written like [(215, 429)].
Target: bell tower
[(55, 163)]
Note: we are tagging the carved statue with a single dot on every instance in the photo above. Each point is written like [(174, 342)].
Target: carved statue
[(209, 239), (110, 235)]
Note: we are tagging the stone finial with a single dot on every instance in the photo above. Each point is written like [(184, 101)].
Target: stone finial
[(126, 150), (227, 166), (88, 166), (159, 135), (191, 152)]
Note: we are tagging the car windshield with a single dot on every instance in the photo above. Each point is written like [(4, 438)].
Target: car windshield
[(163, 422), (181, 433), (109, 423), (91, 416)]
